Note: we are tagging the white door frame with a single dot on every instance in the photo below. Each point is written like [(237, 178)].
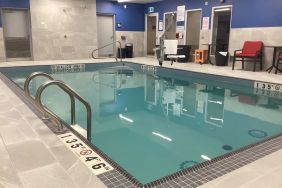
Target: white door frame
[(30, 33), (157, 30), (114, 28), (186, 22), (220, 7)]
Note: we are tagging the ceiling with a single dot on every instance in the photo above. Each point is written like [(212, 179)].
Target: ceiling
[(138, 1)]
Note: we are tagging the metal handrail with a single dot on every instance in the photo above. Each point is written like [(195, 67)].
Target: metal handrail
[(55, 117), (71, 93), (113, 43), (33, 75)]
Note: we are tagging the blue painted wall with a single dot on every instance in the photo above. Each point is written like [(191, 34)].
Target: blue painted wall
[(131, 18), (245, 13), (13, 4)]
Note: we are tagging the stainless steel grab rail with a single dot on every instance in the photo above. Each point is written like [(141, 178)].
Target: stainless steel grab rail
[(71, 93), (113, 43), (32, 76), (55, 117)]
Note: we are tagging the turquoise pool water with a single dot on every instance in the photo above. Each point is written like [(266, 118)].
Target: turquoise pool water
[(156, 125)]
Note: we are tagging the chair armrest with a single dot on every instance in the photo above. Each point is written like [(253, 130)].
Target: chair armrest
[(235, 52)]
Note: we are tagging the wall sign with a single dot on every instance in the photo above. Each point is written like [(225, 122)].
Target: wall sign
[(161, 24), (151, 9), (180, 20), (206, 23), (89, 157)]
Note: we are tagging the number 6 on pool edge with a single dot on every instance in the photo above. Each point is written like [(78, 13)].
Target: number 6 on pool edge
[(98, 166)]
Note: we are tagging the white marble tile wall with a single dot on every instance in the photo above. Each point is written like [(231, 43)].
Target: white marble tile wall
[(136, 38), (64, 29)]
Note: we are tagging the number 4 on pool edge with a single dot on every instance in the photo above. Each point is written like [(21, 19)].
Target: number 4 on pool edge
[(90, 158)]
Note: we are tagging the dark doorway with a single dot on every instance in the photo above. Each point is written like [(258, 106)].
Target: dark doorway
[(221, 30)]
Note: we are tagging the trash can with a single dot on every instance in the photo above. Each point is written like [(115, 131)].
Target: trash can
[(129, 50), (221, 58), (123, 52)]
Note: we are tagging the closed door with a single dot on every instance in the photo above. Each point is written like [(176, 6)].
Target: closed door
[(193, 29), (151, 34), (16, 27), (105, 29)]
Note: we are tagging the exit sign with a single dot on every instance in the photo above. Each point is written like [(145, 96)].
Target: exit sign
[(151, 9)]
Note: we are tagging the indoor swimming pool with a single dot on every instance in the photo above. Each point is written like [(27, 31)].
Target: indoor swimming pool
[(155, 122)]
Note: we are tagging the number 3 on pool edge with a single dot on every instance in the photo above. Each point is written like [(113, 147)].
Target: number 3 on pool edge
[(71, 141)]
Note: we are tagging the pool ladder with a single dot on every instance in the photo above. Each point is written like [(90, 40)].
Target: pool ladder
[(72, 94), (113, 43)]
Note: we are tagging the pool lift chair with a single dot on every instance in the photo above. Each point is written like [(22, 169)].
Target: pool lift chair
[(171, 50), (168, 47)]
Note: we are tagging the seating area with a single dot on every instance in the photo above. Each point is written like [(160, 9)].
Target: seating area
[(253, 51)]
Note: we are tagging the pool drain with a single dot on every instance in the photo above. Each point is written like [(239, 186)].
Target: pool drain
[(257, 133), (227, 147), (187, 164)]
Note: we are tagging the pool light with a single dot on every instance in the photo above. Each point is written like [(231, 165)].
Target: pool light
[(162, 136), (216, 102), (216, 119), (125, 118), (205, 157)]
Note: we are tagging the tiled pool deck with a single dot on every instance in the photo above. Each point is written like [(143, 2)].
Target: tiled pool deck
[(31, 155)]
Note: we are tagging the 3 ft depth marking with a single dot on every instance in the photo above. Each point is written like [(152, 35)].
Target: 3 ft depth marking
[(92, 160)]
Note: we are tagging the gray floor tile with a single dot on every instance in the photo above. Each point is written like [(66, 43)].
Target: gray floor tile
[(83, 177), (11, 134), (10, 113), (64, 156), (29, 155), (8, 176), (4, 121), (50, 176)]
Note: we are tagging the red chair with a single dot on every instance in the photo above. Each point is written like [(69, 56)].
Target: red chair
[(279, 61), (251, 50)]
